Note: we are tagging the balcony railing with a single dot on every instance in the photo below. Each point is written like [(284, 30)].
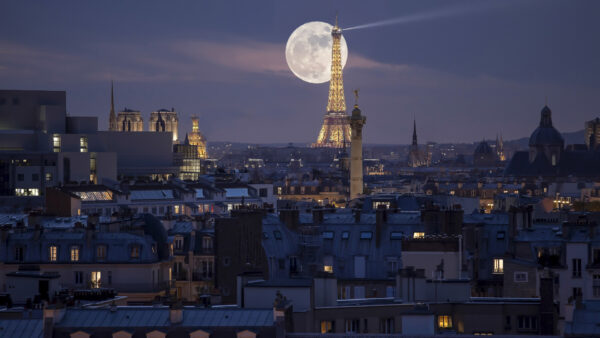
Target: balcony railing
[(127, 287)]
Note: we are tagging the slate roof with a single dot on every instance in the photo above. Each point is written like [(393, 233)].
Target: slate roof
[(21, 328), (157, 317), (586, 321)]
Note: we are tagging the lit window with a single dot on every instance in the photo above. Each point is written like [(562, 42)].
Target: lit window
[(176, 208), (74, 254), (498, 265), (135, 252), (95, 279), (418, 235), (101, 252), (56, 143), (83, 144), (53, 253), (326, 326), (444, 322), (328, 268)]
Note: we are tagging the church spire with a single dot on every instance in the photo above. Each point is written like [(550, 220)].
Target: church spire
[(112, 119), (414, 138), (336, 102)]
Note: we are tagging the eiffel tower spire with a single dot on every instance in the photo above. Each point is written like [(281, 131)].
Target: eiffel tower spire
[(336, 128), (336, 102)]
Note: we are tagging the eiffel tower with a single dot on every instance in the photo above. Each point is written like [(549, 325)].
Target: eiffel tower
[(335, 131)]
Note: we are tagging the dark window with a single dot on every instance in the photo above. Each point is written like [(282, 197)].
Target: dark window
[(35, 177), (327, 234), (281, 263), (262, 192), (78, 277), (15, 100), (20, 177), (265, 235), (576, 268), (2, 101), (500, 235), (277, 234), (19, 254), (345, 234), (366, 235)]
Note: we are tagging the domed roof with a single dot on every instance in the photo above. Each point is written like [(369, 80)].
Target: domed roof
[(483, 148), (546, 134)]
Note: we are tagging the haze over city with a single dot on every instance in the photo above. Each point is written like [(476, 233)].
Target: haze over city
[(464, 77)]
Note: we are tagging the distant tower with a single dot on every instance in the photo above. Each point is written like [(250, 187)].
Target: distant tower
[(336, 128), (165, 120), (197, 139), (414, 155), (130, 120), (112, 119), (500, 148), (357, 121), (592, 134)]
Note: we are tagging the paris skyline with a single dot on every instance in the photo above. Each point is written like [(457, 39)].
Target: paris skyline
[(463, 77)]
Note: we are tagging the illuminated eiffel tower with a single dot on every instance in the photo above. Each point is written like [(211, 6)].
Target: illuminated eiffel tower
[(335, 131)]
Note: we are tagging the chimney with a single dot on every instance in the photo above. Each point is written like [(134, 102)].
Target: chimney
[(176, 313), (317, 215), (547, 308), (290, 217), (380, 221), (356, 215)]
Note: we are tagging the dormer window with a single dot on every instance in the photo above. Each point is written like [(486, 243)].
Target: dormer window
[(178, 243), (101, 252), (53, 253), (19, 254), (207, 243), (135, 251), (74, 253)]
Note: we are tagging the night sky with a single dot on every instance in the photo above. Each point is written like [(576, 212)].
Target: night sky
[(481, 71)]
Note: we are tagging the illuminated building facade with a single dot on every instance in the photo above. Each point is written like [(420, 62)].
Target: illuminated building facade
[(186, 158), (500, 149), (197, 139), (164, 120), (130, 120), (336, 127), (592, 133)]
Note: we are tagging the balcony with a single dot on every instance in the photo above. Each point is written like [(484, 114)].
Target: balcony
[(201, 276), (127, 287)]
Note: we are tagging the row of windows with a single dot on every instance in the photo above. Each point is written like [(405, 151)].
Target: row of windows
[(34, 177), (394, 235), (75, 252)]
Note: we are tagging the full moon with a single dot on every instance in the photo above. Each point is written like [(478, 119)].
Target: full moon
[(308, 52)]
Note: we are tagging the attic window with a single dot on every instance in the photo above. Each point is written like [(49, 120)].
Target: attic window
[(327, 234), (396, 235), (277, 234), (345, 234), (366, 235)]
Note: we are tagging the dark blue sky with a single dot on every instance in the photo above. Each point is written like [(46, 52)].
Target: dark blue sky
[(464, 76)]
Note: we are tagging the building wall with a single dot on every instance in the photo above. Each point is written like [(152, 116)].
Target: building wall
[(263, 297), (514, 287), (33, 110), (429, 260)]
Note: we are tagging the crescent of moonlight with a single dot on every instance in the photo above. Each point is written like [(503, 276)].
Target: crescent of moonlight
[(308, 52)]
